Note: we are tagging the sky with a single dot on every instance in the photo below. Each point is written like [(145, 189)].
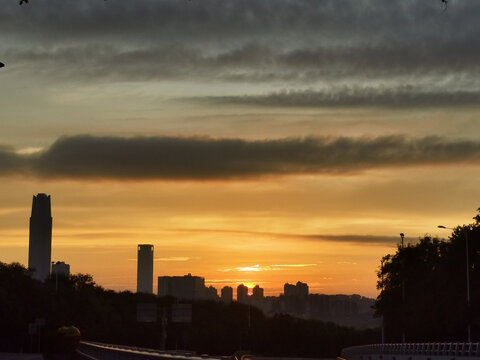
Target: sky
[(250, 141)]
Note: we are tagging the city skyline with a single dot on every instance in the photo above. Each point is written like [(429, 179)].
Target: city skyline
[(145, 253), (255, 142)]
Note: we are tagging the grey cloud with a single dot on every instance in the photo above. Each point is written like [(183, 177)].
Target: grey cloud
[(251, 40), (367, 20), (198, 17), (362, 239), (199, 158), (385, 60), (252, 62), (10, 162), (405, 98)]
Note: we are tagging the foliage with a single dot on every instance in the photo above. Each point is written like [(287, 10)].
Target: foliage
[(108, 316), (424, 288)]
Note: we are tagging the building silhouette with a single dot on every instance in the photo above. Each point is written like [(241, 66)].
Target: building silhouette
[(242, 293), (211, 293), (227, 294), (145, 268), (182, 287), (300, 290), (60, 268), (296, 299), (40, 238), (257, 293)]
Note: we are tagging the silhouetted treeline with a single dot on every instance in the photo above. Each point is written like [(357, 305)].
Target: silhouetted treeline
[(108, 316), (424, 288)]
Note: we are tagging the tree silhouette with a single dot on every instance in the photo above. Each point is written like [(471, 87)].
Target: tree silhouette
[(432, 275)]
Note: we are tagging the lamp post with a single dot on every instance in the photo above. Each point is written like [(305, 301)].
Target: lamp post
[(383, 288), (402, 236), (465, 234)]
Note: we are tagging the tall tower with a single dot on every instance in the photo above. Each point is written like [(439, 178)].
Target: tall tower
[(227, 294), (242, 293), (40, 240), (145, 269)]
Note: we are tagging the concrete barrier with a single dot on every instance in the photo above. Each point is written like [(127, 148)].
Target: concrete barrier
[(413, 351)]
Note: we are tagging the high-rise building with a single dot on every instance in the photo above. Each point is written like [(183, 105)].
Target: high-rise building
[(296, 298), (60, 268), (242, 293), (40, 239), (299, 290), (227, 294), (302, 289), (182, 287), (211, 293), (289, 290), (145, 268), (257, 293)]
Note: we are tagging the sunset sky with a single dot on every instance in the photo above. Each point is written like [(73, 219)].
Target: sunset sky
[(254, 141)]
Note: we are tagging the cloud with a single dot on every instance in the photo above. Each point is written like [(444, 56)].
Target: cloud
[(234, 40), (359, 239), (404, 97), (207, 19), (10, 161), (293, 265), (203, 158), (252, 62), (258, 268), (176, 258)]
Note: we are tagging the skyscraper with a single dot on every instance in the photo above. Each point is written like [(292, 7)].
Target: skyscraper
[(145, 269), (242, 293), (257, 293), (227, 294), (40, 239)]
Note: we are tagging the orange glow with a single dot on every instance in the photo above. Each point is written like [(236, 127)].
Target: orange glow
[(254, 233)]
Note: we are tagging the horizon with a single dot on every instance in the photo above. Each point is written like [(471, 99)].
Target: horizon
[(260, 142), (217, 283)]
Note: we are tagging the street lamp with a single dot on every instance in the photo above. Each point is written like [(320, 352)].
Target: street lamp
[(402, 236), (465, 234), (383, 288)]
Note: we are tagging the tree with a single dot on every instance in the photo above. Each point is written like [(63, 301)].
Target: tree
[(423, 288)]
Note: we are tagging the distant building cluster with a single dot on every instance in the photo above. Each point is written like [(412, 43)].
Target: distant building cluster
[(349, 310), (40, 241)]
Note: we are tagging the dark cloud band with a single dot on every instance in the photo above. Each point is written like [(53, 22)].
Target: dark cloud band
[(359, 239), (405, 97), (197, 158), (254, 62)]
